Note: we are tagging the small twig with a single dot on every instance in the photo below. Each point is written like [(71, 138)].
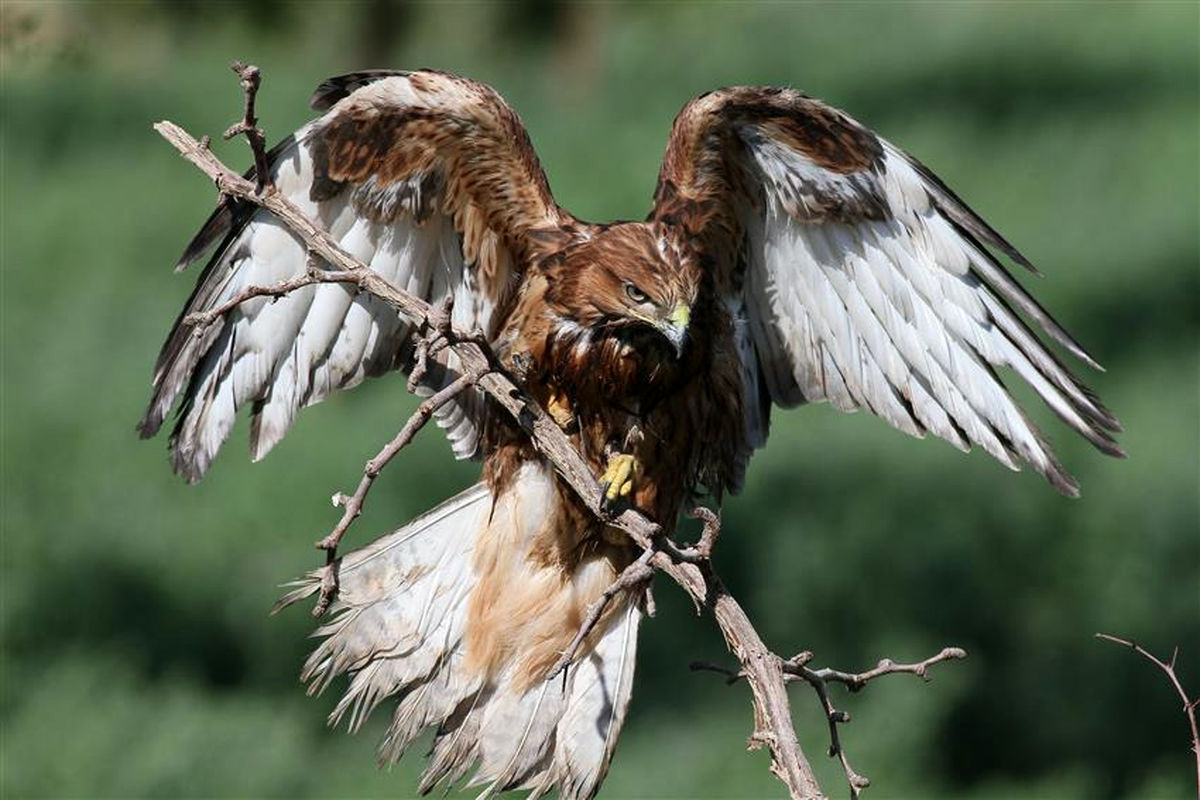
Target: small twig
[(251, 79), (857, 680), (712, 530), (796, 669), (732, 676), (636, 573), (352, 504), (1168, 667), (330, 583), (819, 680), (201, 320), (435, 333)]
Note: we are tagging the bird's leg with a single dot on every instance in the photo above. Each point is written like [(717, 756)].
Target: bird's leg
[(623, 470)]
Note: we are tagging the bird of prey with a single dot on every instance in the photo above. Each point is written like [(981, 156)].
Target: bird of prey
[(792, 256)]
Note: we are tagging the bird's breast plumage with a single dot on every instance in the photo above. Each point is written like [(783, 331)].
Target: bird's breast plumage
[(625, 389)]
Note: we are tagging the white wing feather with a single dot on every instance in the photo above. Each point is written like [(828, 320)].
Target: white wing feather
[(905, 315), (279, 355)]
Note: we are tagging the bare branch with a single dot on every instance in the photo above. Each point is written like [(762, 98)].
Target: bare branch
[(637, 573), (819, 679), (708, 536), (856, 680), (795, 669), (202, 319), (251, 79), (763, 670), (1168, 668), (833, 718), (352, 504)]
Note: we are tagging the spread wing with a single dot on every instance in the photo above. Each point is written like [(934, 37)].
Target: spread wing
[(858, 278), (429, 179)]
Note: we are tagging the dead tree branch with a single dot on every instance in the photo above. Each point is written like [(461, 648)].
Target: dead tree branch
[(352, 504), (251, 79), (796, 669), (819, 680), (1168, 668), (635, 574), (690, 567), (857, 680), (203, 319)]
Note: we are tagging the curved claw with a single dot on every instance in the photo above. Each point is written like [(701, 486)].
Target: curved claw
[(619, 477)]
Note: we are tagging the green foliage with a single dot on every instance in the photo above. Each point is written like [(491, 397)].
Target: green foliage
[(138, 658)]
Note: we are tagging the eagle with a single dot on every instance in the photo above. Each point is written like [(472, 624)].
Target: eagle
[(791, 256)]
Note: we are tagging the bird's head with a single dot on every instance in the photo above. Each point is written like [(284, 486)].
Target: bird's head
[(630, 280)]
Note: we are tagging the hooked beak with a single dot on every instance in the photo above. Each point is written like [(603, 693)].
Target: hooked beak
[(675, 327)]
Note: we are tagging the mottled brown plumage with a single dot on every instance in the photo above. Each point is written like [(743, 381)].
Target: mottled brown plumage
[(791, 256)]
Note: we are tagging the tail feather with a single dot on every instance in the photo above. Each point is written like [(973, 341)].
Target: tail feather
[(516, 733), (456, 746), (411, 607), (601, 685)]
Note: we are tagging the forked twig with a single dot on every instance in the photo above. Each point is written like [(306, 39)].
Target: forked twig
[(201, 320), (1168, 668), (819, 679), (352, 505), (796, 669), (251, 79), (857, 680)]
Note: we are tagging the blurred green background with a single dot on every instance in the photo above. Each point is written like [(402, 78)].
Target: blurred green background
[(138, 659)]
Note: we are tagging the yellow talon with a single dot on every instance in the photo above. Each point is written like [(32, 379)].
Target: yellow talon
[(618, 478)]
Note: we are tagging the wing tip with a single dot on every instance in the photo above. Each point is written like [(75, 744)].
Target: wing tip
[(187, 464), (1115, 450), (1083, 355), (217, 226), (1062, 481), (1017, 256), (148, 426), (1065, 485)]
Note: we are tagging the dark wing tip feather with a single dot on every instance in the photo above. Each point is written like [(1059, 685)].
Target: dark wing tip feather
[(1101, 440), (954, 207), (1063, 483), (1105, 418), (215, 227), (999, 279), (338, 87), (229, 214), (149, 424), (1083, 355)]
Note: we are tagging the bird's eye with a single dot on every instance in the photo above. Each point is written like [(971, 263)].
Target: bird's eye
[(635, 294)]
